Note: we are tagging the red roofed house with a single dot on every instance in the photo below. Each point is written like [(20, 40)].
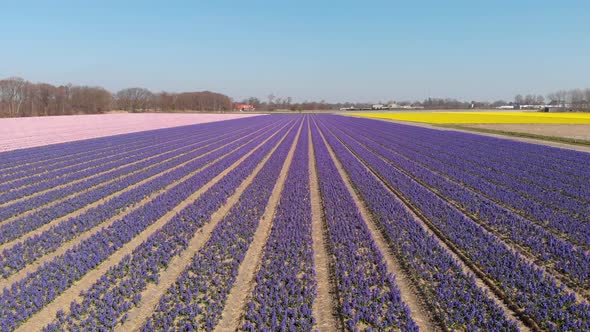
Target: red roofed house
[(244, 107)]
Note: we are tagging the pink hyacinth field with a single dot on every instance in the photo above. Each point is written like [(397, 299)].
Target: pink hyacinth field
[(20, 133)]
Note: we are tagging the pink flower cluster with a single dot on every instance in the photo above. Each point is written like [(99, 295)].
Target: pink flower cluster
[(20, 133)]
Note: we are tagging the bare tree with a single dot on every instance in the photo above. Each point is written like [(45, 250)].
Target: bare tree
[(530, 99), (575, 96), (46, 99), (253, 101), (271, 98), (166, 101), (13, 92), (21, 98), (203, 101), (90, 100), (135, 99), (64, 96), (561, 96)]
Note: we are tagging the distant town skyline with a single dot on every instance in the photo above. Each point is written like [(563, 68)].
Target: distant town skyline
[(307, 50)]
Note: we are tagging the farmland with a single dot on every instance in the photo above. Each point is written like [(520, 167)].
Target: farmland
[(293, 223), (19, 133), (483, 117), (558, 128)]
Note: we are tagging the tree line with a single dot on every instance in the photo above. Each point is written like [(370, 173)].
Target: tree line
[(140, 99), (21, 98), (578, 99)]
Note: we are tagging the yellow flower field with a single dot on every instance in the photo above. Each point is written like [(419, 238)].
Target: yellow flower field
[(484, 117)]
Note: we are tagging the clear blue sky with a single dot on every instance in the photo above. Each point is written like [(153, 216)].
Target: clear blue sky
[(335, 50)]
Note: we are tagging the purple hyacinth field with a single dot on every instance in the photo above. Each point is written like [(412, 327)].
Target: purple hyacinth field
[(307, 222)]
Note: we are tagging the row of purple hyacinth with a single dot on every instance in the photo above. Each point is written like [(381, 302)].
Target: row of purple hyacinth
[(536, 292), (146, 158), (549, 173), (546, 186), (524, 199), (125, 176), (196, 300), (31, 158), (496, 175), (65, 176), (528, 157), (42, 158), (114, 146), (285, 285), (75, 170), (38, 157), (32, 293), (17, 257), (366, 292), (570, 260), (456, 301), (28, 174), (16, 180)]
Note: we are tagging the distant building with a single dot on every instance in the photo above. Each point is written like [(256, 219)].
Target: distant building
[(410, 107), (378, 107), (531, 107), (555, 109), (244, 107)]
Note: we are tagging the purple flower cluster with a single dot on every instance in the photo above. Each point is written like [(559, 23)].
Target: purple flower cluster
[(517, 214), (549, 174), (63, 176), (545, 245), (197, 298), (118, 290), (36, 161), (527, 200), (30, 294), (48, 155), (13, 181), (494, 178), (285, 286), (456, 300), (367, 293), (17, 257), (148, 157), (125, 176), (523, 283)]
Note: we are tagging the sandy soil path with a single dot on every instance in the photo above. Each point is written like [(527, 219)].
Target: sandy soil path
[(324, 306)]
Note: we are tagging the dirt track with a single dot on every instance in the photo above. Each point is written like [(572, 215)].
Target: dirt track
[(559, 130)]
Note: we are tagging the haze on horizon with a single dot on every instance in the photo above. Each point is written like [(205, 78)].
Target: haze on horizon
[(308, 50)]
